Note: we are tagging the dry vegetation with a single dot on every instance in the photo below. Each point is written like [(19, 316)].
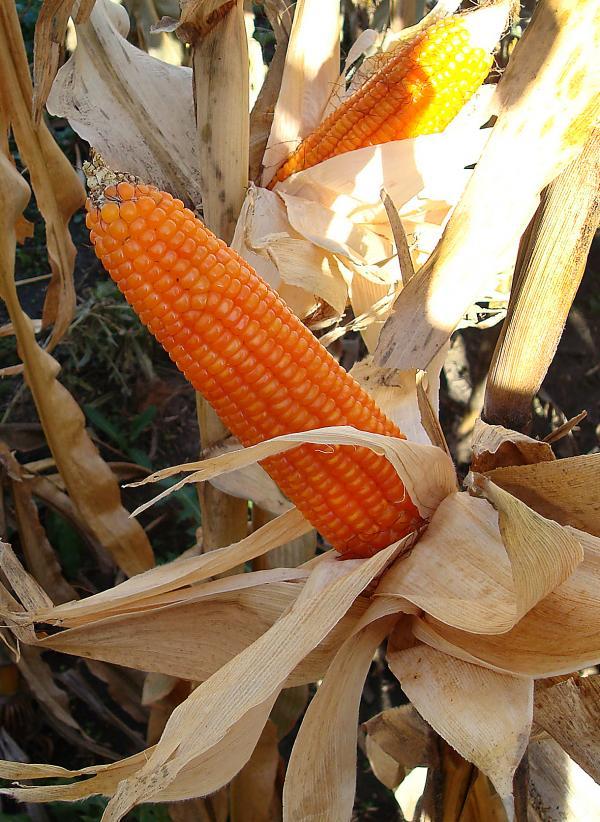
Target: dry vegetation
[(462, 658)]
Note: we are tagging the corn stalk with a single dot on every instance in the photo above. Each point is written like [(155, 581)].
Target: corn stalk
[(220, 64)]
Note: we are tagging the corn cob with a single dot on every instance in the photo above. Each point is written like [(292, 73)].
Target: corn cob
[(254, 361), (417, 91)]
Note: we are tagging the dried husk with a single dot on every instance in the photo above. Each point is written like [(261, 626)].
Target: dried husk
[(549, 119), (397, 741), (559, 635), (50, 33), (490, 718), (254, 791), (330, 591), (128, 105), (498, 566), (495, 446), (58, 190), (311, 70), (321, 775), (564, 490), (427, 473)]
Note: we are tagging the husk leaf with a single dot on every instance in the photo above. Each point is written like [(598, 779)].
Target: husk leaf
[(491, 714)]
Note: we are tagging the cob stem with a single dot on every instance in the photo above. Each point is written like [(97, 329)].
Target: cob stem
[(549, 269), (221, 88)]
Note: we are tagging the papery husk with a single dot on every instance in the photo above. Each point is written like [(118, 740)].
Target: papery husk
[(326, 227), (253, 678), (223, 618), (495, 447), (564, 490), (251, 482), (310, 72), (50, 33), (548, 102), (58, 191), (397, 741), (427, 473), (570, 712), (128, 105), (489, 720), (559, 789), (174, 576), (559, 635), (495, 571), (321, 775), (280, 15)]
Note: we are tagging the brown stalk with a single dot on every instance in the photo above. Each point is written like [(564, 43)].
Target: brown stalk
[(550, 266), (220, 64)]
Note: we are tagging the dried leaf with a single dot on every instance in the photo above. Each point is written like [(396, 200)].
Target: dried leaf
[(128, 105), (427, 473), (561, 634), (311, 69), (549, 119), (564, 490), (495, 447), (251, 678), (490, 716), (50, 33), (90, 482), (570, 712), (180, 573), (39, 554), (57, 188), (251, 482), (493, 573), (542, 553), (398, 740), (321, 776)]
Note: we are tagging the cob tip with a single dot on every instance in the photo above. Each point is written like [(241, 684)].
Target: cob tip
[(487, 24), (99, 175)]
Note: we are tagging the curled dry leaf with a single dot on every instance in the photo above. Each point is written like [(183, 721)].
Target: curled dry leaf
[(550, 120), (397, 741), (178, 574), (542, 553), (427, 473), (495, 447), (251, 482), (50, 32), (321, 774), (128, 105), (490, 716), (559, 635), (58, 190), (564, 490), (494, 573), (89, 481)]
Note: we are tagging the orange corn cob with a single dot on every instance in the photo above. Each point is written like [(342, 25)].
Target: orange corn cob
[(417, 91), (260, 368)]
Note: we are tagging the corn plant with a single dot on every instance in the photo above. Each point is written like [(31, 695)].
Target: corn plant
[(487, 597)]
